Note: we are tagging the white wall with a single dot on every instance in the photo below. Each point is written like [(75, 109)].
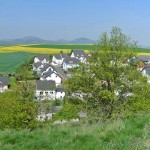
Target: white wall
[(57, 61), (55, 78), (3, 88), (37, 60), (50, 95), (68, 66), (72, 54), (60, 95)]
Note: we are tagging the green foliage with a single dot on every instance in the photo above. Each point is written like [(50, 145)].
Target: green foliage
[(69, 111), (111, 86), (16, 112), (18, 109), (127, 134)]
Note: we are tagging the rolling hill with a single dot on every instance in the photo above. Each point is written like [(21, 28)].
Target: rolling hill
[(36, 40)]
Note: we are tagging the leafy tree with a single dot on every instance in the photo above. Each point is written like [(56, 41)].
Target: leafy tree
[(69, 111), (109, 84), (17, 113)]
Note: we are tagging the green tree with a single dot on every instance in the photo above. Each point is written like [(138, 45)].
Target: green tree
[(110, 85), (17, 113)]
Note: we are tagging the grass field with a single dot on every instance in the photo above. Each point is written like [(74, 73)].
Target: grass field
[(10, 61), (131, 134), (12, 56), (65, 46)]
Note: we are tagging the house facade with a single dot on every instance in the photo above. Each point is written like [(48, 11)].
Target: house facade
[(58, 59), (50, 75), (37, 66), (79, 54), (4, 84), (46, 90), (60, 94), (70, 62), (41, 58)]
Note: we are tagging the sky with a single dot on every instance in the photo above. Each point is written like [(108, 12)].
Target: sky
[(70, 19)]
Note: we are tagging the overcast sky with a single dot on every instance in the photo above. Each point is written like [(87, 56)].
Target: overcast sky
[(70, 19)]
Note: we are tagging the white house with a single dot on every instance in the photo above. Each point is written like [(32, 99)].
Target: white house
[(50, 75), (70, 62), (79, 54), (4, 84), (37, 66), (58, 59), (46, 68), (146, 72), (41, 58), (45, 90), (60, 93)]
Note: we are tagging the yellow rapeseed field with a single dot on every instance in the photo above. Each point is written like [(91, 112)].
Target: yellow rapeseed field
[(22, 48)]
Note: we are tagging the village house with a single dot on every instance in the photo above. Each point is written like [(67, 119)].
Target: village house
[(146, 72), (79, 54), (37, 66), (41, 58), (50, 75), (46, 68), (145, 59), (46, 90), (58, 58), (4, 84), (70, 62), (60, 93)]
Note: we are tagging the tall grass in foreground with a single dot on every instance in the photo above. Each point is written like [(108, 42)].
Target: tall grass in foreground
[(131, 134)]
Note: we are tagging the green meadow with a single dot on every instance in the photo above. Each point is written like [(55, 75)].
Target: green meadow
[(130, 134), (10, 61), (65, 46)]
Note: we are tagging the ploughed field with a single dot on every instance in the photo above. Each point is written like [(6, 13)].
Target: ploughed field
[(12, 56)]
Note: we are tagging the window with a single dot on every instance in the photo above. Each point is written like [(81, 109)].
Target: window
[(46, 93), (56, 76), (41, 93)]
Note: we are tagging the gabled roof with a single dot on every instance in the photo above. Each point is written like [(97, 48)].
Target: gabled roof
[(38, 64), (63, 55), (4, 80), (41, 57), (46, 85), (144, 58), (48, 73), (45, 67), (57, 56), (71, 60), (79, 53), (60, 56), (60, 72)]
